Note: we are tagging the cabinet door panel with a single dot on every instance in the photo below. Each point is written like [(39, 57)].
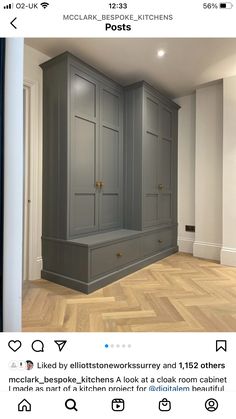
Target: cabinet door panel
[(150, 210), (164, 208), (83, 178), (150, 160), (83, 156), (83, 153), (84, 96), (164, 164), (83, 214), (165, 167), (111, 104), (150, 151), (110, 213), (157, 163), (110, 175), (167, 122), (110, 159), (152, 116)]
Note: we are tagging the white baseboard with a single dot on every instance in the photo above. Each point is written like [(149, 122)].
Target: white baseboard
[(35, 271), (185, 244), (228, 256), (207, 250)]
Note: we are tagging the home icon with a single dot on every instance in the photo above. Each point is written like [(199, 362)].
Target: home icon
[(24, 406)]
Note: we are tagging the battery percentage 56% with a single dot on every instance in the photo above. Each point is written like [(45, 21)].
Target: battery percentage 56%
[(210, 6), (214, 6)]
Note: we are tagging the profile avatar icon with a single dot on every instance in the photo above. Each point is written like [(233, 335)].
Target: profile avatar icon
[(211, 405), (13, 364), (29, 365)]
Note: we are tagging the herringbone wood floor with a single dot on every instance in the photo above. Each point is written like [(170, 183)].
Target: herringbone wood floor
[(179, 293)]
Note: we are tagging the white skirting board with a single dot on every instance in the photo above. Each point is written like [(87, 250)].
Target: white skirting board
[(213, 251), (185, 244), (207, 250), (228, 256)]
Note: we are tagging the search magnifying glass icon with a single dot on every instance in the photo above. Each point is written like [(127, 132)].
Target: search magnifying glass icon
[(71, 404)]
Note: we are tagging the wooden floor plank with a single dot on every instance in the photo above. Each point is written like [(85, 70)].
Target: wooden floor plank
[(179, 293)]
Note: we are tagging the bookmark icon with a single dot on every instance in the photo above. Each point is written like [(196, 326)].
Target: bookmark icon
[(221, 345)]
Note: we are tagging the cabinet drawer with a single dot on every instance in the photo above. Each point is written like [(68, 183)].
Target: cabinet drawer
[(156, 242), (108, 258)]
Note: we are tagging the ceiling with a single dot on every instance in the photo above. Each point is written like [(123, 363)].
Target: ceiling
[(187, 63)]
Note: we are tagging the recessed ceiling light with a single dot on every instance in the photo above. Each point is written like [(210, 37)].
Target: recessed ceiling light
[(161, 53)]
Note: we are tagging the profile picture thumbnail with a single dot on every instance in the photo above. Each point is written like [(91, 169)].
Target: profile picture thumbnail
[(29, 365)]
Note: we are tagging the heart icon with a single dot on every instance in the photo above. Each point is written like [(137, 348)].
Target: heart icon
[(14, 345)]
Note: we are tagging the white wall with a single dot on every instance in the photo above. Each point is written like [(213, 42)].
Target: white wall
[(208, 171), (33, 81), (200, 156), (228, 253), (186, 171), (13, 186)]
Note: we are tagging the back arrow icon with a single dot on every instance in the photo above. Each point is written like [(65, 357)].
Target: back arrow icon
[(12, 24)]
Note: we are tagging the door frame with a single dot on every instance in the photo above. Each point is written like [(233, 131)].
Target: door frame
[(13, 185), (32, 183), (2, 72)]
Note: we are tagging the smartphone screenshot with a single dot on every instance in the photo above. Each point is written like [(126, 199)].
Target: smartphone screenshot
[(117, 209)]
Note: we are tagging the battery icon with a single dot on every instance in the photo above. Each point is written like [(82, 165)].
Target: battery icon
[(227, 5)]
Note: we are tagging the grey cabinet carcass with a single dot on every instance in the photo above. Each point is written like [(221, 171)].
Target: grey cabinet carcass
[(95, 154), (151, 126), (109, 176), (83, 146)]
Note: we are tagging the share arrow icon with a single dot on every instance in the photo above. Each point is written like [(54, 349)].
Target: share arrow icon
[(60, 344)]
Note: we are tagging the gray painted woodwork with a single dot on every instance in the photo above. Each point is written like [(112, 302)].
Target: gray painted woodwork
[(150, 158), (111, 158), (94, 235), (84, 170), (83, 144), (55, 153), (89, 263)]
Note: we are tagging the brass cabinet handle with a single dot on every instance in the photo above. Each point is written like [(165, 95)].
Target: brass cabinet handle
[(119, 254), (160, 241), (160, 186), (98, 184)]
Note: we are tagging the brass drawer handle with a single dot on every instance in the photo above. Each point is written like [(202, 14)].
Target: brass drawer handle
[(101, 184), (160, 186), (160, 241), (119, 254)]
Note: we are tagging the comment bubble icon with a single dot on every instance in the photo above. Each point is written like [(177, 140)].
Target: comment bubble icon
[(37, 346)]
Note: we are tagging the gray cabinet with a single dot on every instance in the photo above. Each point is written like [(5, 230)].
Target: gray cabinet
[(109, 204), (84, 159), (83, 147), (111, 159), (96, 155), (151, 158)]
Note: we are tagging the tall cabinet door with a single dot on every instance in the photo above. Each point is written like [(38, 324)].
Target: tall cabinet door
[(150, 153), (165, 167), (84, 154), (110, 162)]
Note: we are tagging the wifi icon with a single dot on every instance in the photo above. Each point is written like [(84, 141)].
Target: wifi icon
[(44, 4)]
